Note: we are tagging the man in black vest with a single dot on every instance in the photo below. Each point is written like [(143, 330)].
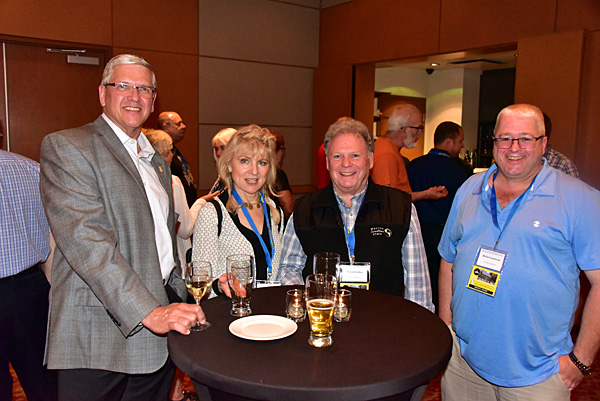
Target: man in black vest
[(360, 220)]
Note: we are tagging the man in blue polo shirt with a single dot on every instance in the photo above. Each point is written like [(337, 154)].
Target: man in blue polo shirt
[(512, 249)]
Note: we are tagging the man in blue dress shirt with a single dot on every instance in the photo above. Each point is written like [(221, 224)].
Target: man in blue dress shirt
[(24, 246)]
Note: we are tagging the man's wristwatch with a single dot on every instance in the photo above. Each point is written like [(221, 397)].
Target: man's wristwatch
[(586, 370)]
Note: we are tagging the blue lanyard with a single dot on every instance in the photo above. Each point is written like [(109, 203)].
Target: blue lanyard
[(439, 153), (494, 209), (268, 255), (350, 236)]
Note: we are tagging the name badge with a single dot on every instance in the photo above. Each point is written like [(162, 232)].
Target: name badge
[(487, 270), (356, 275), (267, 283)]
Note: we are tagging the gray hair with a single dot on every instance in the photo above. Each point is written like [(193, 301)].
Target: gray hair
[(125, 59), (400, 117), (523, 110), (159, 139), (348, 126)]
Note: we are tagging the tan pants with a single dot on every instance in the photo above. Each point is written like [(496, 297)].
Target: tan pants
[(461, 383)]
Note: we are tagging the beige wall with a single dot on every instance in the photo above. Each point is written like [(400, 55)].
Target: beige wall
[(256, 66)]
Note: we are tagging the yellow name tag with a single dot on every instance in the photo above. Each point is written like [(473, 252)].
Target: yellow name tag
[(487, 270)]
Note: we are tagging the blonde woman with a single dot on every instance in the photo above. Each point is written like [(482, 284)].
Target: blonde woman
[(250, 222)]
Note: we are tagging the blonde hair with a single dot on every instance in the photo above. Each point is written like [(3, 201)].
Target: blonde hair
[(259, 141), (222, 137)]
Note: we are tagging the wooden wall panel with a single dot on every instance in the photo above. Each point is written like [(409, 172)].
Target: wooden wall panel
[(242, 92), (549, 76), (467, 24), (3, 122), (588, 138), (156, 25), (260, 30), (331, 99), (374, 30), (364, 94), (578, 14), (63, 20)]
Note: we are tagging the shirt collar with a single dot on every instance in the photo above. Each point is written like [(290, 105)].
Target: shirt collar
[(146, 150), (356, 199), (545, 182), (439, 152)]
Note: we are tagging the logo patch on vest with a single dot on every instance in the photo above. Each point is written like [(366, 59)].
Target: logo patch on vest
[(377, 231)]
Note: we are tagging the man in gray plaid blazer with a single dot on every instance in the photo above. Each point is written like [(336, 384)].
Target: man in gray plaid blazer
[(109, 202)]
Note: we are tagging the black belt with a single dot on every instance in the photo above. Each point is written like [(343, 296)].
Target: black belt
[(27, 272)]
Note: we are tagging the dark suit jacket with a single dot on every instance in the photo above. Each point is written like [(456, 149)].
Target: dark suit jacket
[(179, 169), (106, 276)]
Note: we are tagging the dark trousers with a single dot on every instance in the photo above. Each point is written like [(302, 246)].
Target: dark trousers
[(103, 385), (432, 234), (23, 320)]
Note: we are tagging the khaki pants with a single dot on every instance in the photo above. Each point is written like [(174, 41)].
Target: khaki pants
[(461, 383)]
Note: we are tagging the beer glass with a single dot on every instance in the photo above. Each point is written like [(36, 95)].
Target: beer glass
[(240, 278), (320, 303), (326, 263)]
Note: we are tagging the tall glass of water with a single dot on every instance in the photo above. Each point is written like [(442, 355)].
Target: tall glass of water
[(240, 278), (326, 263)]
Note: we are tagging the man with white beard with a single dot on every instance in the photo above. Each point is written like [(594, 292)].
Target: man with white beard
[(405, 127)]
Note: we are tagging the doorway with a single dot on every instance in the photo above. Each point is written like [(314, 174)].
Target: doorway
[(46, 89)]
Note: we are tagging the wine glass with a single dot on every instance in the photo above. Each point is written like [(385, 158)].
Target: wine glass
[(198, 279)]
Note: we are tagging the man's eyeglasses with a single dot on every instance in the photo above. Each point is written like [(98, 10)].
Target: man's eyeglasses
[(178, 125), (524, 143), (173, 151), (124, 88), (419, 128)]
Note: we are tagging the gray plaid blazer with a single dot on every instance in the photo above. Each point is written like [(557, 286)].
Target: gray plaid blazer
[(106, 276)]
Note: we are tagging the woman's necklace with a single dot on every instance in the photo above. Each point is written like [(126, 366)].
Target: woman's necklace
[(249, 205)]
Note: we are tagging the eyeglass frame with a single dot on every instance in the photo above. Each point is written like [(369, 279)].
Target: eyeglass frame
[(419, 128), (519, 141), (132, 88), (178, 125)]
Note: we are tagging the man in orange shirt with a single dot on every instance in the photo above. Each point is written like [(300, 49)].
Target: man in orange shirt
[(404, 130)]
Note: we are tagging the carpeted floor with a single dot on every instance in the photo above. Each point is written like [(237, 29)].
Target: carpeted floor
[(588, 390)]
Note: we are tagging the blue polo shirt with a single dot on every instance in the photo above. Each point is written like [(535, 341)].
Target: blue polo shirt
[(515, 338)]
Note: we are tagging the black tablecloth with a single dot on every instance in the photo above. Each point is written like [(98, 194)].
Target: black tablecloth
[(389, 346)]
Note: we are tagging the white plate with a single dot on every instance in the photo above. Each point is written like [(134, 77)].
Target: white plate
[(263, 327)]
